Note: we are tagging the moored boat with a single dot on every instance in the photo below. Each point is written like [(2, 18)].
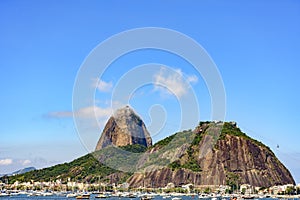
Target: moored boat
[(83, 196), (102, 196), (3, 194), (176, 198), (248, 197), (146, 197), (71, 195)]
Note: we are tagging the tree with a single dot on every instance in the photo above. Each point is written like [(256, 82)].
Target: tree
[(290, 190), (232, 180), (207, 190), (243, 190)]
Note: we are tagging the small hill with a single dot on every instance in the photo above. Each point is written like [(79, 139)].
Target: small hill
[(22, 171), (83, 169)]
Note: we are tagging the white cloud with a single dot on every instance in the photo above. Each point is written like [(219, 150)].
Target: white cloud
[(102, 85), (93, 111), (7, 161), (86, 112), (192, 79), (25, 162), (174, 82)]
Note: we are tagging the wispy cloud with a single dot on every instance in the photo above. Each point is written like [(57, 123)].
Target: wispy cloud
[(6, 161), (25, 162), (102, 85), (93, 111), (192, 79), (60, 114), (174, 82), (86, 113)]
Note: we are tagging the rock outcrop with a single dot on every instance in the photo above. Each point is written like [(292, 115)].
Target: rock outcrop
[(218, 151), (124, 128), (215, 153)]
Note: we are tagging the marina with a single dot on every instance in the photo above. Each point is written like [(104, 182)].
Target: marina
[(136, 196)]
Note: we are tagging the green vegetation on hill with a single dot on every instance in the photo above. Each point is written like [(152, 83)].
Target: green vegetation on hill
[(83, 169), (230, 128), (123, 158), (164, 142), (201, 123), (197, 139), (191, 162), (179, 138), (88, 169), (134, 148), (190, 165), (164, 151)]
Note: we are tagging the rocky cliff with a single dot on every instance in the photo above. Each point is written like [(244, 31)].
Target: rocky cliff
[(124, 128), (217, 153)]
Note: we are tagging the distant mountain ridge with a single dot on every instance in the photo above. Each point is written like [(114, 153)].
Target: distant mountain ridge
[(214, 153), (24, 170), (20, 171)]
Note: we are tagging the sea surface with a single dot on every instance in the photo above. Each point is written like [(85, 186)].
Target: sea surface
[(20, 197)]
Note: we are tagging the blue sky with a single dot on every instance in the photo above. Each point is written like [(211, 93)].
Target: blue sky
[(255, 45)]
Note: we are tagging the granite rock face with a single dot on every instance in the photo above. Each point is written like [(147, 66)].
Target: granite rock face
[(217, 156), (208, 155), (124, 128)]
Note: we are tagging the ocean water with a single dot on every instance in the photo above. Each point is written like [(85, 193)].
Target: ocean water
[(20, 197)]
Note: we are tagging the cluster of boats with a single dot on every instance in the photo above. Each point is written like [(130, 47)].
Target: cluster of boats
[(87, 195), (134, 195), (138, 195)]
